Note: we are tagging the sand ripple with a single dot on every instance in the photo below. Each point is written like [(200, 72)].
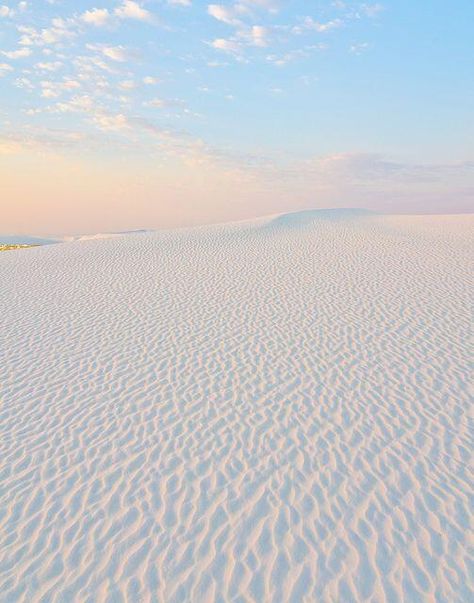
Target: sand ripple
[(274, 411)]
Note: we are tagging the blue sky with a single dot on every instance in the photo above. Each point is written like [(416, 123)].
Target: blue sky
[(209, 111)]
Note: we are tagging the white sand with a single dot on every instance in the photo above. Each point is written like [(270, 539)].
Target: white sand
[(270, 411)]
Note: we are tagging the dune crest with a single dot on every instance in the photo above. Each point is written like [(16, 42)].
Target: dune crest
[(253, 414), (307, 217)]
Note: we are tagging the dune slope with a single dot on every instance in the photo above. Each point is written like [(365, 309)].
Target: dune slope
[(270, 411)]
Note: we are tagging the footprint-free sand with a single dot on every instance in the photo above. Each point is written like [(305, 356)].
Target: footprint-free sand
[(274, 410)]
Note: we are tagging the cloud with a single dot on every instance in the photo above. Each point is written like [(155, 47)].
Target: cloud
[(116, 53), (245, 34), (17, 54), (165, 103), (49, 66), (227, 14), (309, 24), (6, 11), (227, 45), (257, 35), (111, 123), (4, 69), (127, 85), (96, 89), (132, 10), (60, 31), (369, 168), (78, 104), (99, 17), (54, 89), (119, 54)]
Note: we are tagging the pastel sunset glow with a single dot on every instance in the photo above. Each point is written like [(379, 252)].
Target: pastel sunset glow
[(121, 114)]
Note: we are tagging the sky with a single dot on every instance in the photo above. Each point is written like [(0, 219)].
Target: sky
[(121, 114)]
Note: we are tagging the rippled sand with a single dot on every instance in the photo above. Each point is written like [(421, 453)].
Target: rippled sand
[(266, 411)]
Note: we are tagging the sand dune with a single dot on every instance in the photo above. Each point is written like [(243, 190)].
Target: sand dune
[(267, 411), (9, 239)]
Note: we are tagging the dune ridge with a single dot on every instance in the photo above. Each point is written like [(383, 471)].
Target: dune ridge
[(262, 413)]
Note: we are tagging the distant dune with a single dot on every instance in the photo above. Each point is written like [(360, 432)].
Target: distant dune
[(15, 239), (263, 411), (9, 239), (101, 235)]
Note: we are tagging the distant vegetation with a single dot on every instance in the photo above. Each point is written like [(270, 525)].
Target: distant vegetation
[(15, 246)]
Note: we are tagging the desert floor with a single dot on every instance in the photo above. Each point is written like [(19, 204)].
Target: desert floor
[(273, 410)]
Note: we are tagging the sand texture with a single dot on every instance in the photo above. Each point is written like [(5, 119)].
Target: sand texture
[(273, 410)]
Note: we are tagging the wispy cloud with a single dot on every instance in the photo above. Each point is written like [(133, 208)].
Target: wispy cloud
[(21, 53), (99, 17), (133, 10), (119, 54), (5, 68)]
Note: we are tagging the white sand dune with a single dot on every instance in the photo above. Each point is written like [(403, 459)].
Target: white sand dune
[(9, 239), (266, 411), (100, 235), (12, 239)]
